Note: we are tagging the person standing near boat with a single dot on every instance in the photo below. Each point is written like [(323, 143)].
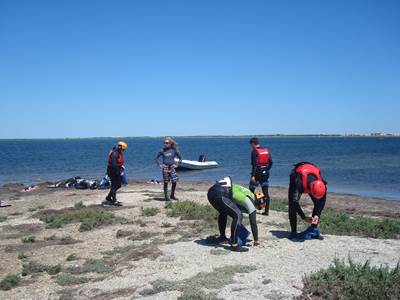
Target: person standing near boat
[(115, 170), (168, 165), (306, 178), (261, 163)]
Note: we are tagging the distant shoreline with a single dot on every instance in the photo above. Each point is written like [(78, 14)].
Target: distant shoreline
[(212, 136)]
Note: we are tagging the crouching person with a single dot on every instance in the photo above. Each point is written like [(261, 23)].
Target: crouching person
[(230, 200), (306, 178)]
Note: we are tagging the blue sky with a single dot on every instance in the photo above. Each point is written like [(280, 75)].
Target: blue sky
[(133, 68)]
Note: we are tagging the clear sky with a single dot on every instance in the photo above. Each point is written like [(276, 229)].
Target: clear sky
[(133, 68)]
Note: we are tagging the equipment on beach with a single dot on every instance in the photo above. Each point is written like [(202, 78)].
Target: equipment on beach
[(243, 234), (200, 164), (259, 202), (4, 204)]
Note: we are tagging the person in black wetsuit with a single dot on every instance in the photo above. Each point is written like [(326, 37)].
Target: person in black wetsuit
[(306, 178), (168, 165), (261, 163), (115, 169)]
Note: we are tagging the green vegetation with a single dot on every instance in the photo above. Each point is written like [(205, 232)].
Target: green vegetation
[(3, 218), (72, 257), (279, 204), (33, 267), (338, 223), (90, 266), (150, 211), (140, 222), (29, 239), (123, 233), (9, 282), (79, 205), (22, 256), (192, 287), (352, 281), (68, 279), (90, 217), (32, 209), (188, 210), (166, 225)]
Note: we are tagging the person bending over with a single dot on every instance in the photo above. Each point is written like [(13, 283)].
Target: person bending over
[(230, 200), (306, 178)]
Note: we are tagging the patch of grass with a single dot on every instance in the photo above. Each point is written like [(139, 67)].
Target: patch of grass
[(166, 225), (143, 235), (33, 267), (66, 294), (216, 279), (3, 218), (51, 238), (188, 210), (9, 282), (72, 257), (68, 279), (123, 233), (90, 266), (90, 217), (16, 213), (40, 207), (79, 205), (278, 205), (352, 281), (32, 209), (68, 240), (140, 222), (29, 239), (22, 256), (338, 223), (150, 211)]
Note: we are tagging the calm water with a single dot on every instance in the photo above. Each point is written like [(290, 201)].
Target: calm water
[(363, 166)]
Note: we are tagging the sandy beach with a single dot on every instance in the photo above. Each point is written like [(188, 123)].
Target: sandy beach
[(159, 257)]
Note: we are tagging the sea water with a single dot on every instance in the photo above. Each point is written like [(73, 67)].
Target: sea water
[(367, 166)]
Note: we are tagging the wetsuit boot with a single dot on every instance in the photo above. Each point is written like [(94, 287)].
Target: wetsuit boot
[(166, 191), (173, 188), (267, 201)]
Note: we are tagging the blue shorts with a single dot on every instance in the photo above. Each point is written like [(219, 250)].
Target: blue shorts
[(169, 173)]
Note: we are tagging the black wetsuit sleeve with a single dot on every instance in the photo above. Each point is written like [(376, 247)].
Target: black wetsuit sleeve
[(270, 163), (157, 158), (253, 224), (253, 163), (114, 160)]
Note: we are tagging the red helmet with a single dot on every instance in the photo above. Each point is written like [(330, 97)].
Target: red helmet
[(318, 189)]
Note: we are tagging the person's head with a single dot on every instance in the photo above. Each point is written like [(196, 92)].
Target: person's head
[(317, 189), (259, 201), (122, 146), (170, 143), (254, 142)]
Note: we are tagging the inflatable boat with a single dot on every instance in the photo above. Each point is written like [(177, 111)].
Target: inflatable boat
[(200, 164)]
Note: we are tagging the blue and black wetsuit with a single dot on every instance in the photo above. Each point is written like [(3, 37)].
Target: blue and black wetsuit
[(168, 172)]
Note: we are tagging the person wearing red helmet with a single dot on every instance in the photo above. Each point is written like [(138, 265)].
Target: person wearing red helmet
[(306, 179)]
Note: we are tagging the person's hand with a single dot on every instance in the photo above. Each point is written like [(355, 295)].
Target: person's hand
[(174, 166), (256, 243), (253, 179), (162, 166), (307, 220), (122, 173)]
